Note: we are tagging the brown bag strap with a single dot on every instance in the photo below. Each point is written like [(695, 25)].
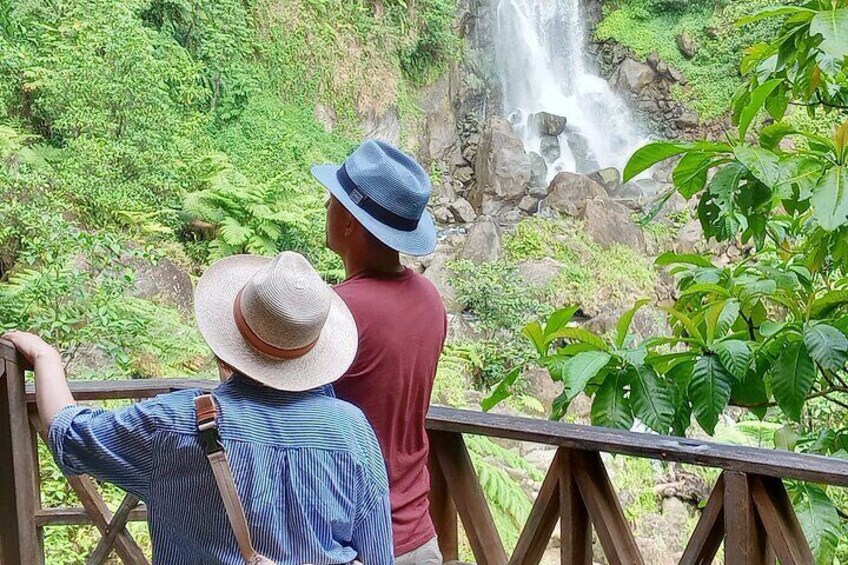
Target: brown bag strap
[(207, 426)]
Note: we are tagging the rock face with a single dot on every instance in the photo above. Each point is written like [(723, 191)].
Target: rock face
[(583, 157), (609, 178), (550, 148), (538, 170), (569, 192), (503, 169), (463, 212), (440, 138), (648, 86), (384, 126), (539, 273), (437, 273), (548, 124), (632, 76), (483, 243), (609, 222)]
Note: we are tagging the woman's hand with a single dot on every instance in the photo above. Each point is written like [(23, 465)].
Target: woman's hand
[(31, 346)]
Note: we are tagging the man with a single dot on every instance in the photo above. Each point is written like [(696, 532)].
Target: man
[(274, 469), (377, 209)]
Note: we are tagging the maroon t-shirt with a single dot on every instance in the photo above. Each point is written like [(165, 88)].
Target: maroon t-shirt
[(402, 326)]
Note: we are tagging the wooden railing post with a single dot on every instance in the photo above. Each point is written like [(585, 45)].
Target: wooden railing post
[(10, 551), (745, 541), (18, 443), (443, 511)]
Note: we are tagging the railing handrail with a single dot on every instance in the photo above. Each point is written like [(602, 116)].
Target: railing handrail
[(769, 462)]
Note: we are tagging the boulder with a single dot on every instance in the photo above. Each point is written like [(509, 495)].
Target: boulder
[(687, 120), (609, 222), (686, 44), (583, 157), (538, 170), (483, 243), (550, 148), (438, 274), (442, 215), (463, 211), (383, 126), (569, 192), (609, 178), (632, 76), (164, 281), (503, 168), (548, 124), (91, 361), (529, 204), (690, 238), (463, 174), (539, 273)]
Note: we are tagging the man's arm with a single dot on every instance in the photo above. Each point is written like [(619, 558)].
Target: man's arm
[(372, 534), (51, 388)]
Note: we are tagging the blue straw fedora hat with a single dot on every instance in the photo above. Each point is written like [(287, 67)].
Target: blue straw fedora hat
[(387, 191)]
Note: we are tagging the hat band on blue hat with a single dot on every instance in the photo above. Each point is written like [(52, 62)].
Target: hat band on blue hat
[(374, 209)]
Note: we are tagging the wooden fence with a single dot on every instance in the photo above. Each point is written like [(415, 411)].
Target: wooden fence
[(748, 510)]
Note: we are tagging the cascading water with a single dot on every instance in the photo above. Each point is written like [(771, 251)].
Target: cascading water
[(540, 48)]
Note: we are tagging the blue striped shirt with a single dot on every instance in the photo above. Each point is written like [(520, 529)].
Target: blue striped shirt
[(307, 465)]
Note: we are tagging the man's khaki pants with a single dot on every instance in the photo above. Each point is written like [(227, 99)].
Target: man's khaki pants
[(427, 554)]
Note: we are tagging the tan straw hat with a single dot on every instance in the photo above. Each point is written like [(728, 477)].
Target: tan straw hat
[(275, 321)]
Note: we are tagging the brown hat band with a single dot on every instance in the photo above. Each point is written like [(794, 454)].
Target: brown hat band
[(260, 344)]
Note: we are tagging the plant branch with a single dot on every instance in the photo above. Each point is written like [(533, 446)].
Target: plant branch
[(819, 102)]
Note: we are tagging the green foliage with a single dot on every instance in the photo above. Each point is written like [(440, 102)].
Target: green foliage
[(437, 43), (493, 291)]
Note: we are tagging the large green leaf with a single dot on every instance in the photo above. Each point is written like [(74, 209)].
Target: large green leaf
[(623, 326), (800, 173), (533, 332), (792, 379), (824, 305), (833, 27), (762, 163), (690, 173), (735, 355), (559, 319), (671, 258), (502, 391), (652, 399), (773, 12), (580, 369), (750, 392), (709, 391), (610, 408), (830, 199), (827, 345), (772, 135), (758, 99), (819, 520), (651, 154)]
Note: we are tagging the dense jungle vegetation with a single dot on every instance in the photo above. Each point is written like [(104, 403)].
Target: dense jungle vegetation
[(135, 133)]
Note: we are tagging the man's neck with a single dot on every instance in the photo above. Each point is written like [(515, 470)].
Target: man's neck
[(387, 262)]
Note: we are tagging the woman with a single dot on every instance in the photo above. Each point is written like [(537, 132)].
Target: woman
[(271, 464)]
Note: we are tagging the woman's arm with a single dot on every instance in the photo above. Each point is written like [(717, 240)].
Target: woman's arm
[(51, 389)]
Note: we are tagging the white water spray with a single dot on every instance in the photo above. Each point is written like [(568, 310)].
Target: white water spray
[(540, 53)]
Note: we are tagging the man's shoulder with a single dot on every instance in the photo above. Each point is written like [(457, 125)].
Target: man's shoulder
[(366, 289)]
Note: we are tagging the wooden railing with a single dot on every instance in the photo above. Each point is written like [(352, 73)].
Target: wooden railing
[(748, 510)]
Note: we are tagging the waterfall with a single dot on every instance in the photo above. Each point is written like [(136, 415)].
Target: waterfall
[(540, 54)]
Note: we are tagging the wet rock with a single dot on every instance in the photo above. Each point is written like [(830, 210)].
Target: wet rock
[(550, 148), (529, 204), (609, 222), (463, 211), (632, 76), (538, 170), (569, 192), (483, 243), (548, 124), (686, 44), (583, 157), (609, 178), (503, 168)]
